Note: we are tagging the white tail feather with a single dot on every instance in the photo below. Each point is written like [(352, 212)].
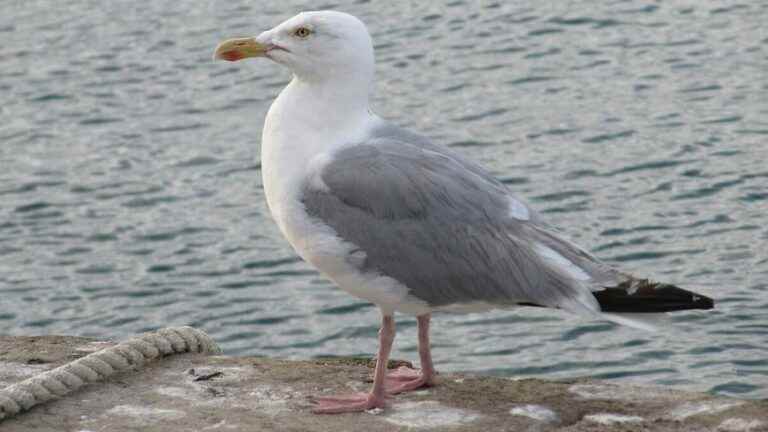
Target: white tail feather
[(643, 321)]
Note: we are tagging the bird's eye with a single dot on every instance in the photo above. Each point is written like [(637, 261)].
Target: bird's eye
[(302, 32)]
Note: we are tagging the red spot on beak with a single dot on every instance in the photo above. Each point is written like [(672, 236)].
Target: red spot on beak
[(232, 55)]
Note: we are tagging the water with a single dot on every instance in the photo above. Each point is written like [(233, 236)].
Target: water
[(130, 191)]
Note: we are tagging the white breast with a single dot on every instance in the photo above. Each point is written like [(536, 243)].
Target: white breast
[(300, 135), (298, 141)]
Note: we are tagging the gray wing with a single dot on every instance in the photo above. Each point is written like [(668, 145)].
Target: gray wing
[(442, 226)]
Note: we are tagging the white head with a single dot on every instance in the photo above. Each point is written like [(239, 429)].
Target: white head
[(317, 46)]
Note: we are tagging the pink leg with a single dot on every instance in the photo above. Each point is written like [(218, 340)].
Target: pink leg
[(405, 379), (364, 401)]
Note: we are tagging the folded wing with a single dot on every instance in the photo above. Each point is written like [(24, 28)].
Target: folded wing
[(448, 230)]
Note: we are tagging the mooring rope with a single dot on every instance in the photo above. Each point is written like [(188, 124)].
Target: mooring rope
[(132, 353)]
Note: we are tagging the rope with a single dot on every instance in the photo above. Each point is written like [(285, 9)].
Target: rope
[(132, 353)]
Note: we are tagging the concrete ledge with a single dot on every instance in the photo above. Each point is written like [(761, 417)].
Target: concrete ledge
[(219, 393)]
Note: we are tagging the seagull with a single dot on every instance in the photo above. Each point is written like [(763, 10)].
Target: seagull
[(396, 219)]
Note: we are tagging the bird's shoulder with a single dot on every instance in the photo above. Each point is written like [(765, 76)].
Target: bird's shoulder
[(396, 173)]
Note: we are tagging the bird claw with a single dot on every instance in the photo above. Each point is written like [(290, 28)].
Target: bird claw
[(405, 379), (357, 402)]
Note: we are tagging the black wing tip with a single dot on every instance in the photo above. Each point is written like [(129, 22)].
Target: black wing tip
[(644, 296), (703, 302)]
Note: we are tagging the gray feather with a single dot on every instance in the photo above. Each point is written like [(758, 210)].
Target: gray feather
[(441, 225)]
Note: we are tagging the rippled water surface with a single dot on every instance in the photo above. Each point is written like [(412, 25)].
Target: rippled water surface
[(131, 199)]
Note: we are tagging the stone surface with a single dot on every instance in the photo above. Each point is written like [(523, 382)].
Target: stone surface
[(200, 393), (536, 412)]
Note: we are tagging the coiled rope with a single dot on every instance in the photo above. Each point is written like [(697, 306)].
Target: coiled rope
[(130, 354)]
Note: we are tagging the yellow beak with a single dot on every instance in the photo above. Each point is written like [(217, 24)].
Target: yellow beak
[(238, 49)]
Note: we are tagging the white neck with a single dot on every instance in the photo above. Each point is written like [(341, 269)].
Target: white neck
[(308, 119)]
